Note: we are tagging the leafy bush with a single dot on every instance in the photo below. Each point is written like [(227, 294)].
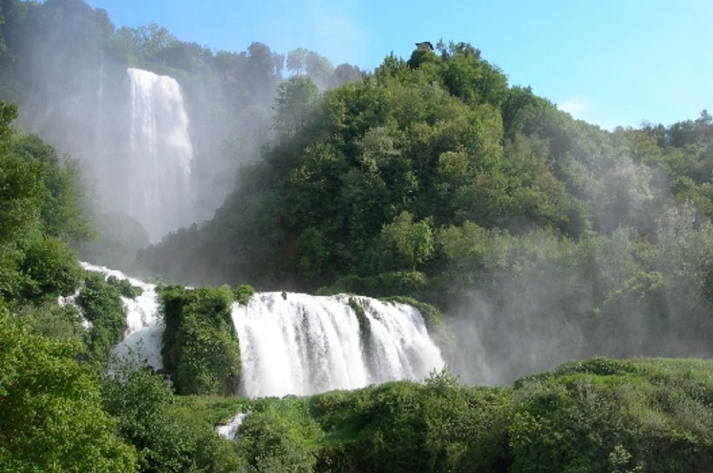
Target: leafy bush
[(50, 409), (243, 293), (102, 306), (279, 437), (51, 320), (165, 440), (404, 427), (125, 287), (52, 269), (596, 415), (200, 347), (607, 415)]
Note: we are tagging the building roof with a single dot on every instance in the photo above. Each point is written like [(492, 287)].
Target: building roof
[(424, 45)]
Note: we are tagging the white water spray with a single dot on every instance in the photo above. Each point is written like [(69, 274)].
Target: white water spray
[(300, 344), (144, 332), (229, 431), (158, 194)]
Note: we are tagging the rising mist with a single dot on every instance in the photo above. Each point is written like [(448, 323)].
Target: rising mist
[(542, 238)]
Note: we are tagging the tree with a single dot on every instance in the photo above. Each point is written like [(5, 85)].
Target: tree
[(144, 403), (296, 102), (50, 409), (407, 243), (145, 42), (296, 60), (52, 269)]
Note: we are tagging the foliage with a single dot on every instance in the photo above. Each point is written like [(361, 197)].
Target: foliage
[(243, 293), (380, 285), (296, 104), (200, 349), (50, 409), (52, 320), (39, 215), (279, 437), (51, 268), (61, 212), (165, 441), (124, 287), (404, 244), (101, 305), (595, 415), (408, 427), (603, 415)]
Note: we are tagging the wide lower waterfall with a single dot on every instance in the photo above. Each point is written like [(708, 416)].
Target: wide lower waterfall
[(300, 344), (160, 154)]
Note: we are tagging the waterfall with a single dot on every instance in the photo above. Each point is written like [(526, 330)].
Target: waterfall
[(160, 154), (300, 344), (229, 431), (144, 332)]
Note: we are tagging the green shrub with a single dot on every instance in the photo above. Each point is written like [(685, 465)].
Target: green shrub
[(51, 418), (51, 320), (125, 287), (604, 415), (102, 306), (165, 438), (200, 346), (406, 427), (243, 293), (51, 268), (279, 437), (596, 415)]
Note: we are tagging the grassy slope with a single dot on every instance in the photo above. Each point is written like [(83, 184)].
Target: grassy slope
[(592, 415)]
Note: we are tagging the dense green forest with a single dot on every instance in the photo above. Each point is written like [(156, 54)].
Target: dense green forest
[(432, 178), (527, 237)]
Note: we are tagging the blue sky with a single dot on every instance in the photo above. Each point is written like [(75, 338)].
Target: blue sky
[(609, 62)]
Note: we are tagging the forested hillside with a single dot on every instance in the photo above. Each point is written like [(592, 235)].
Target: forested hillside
[(541, 237), (519, 237)]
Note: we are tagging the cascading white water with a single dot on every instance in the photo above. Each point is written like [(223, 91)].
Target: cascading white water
[(144, 332), (229, 431), (159, 194), (300, 344)]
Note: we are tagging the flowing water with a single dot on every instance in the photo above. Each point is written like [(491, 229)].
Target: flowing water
[(300, 344), (144, 331), (160, 154), (229, 431)]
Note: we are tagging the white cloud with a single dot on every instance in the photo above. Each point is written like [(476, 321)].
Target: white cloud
[(574, 106)]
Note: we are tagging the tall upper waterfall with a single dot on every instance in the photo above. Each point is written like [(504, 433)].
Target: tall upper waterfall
[(300, 344), (160, 153)]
